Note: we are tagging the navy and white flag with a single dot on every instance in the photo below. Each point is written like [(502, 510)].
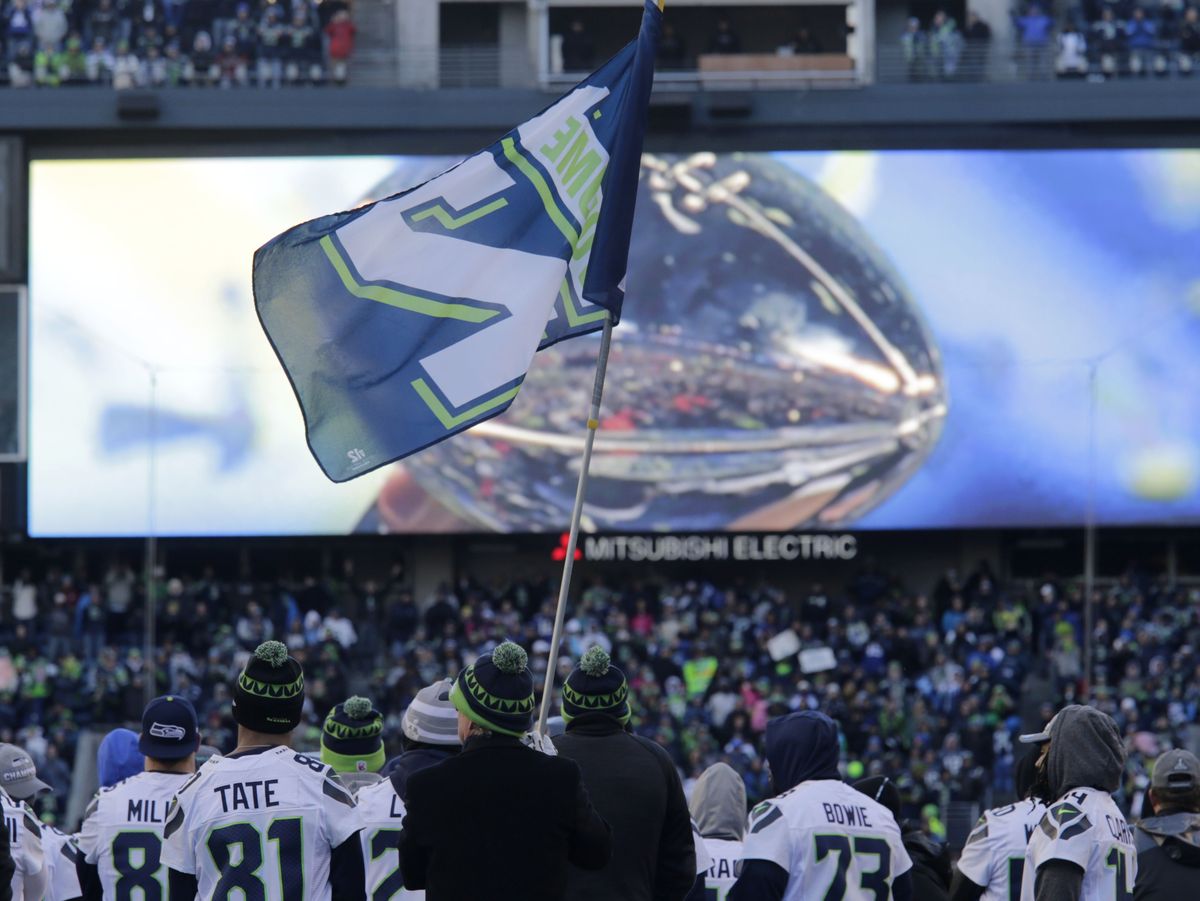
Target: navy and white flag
[(408, 320)]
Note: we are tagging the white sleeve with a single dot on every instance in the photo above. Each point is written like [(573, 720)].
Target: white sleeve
[(1065, 833), (703, 858), (769, 836), (342, 815), (35, 884), (177, 851), (66, 878), (33, 861), (89, 832), (976, 860)]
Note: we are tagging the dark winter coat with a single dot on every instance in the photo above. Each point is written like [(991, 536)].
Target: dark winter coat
[(499, 822), (635, 787), (400, 768), (1168, 862), (931, 864)]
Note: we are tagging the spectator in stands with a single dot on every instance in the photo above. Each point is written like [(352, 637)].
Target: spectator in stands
[(18, 31), (724, 39), (203, 71), (1033, 37), (978, 41), (232, 66), (50, 25), (104, 24), (100, 63), (1072, 61), (303, 64), (72, 70), (805, 41), (672, 51), (125, 72), (271, 38), (945, 45), (340, 32), (915, 44), (1108, 41), (1189, 41), (1142, 41), (578, 49), (245, 30)]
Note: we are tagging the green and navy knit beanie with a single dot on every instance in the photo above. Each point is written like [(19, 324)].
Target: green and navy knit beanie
[(496, 691), (596, 686), (269, 693), (352, 739)]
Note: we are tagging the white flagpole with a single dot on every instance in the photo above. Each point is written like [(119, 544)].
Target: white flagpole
[(564, 589)]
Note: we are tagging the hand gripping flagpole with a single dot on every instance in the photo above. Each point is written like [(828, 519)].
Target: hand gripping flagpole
[(564, 589)]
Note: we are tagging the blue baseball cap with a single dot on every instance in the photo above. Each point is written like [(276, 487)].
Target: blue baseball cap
[(170, 730)]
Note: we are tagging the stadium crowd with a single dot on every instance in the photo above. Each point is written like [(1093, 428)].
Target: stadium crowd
[(174, 43), (930, 685), (1096, 39)]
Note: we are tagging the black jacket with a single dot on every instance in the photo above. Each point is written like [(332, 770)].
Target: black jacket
[(931, 864), (1168, 857), (399, 768), (635, 787), (499, 822)]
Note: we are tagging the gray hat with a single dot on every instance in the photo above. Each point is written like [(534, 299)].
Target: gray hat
[(431, 718), (18, 775), (1038, 738), (1177, 770)]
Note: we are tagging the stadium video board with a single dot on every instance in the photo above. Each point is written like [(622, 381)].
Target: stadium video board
[(810, 341)]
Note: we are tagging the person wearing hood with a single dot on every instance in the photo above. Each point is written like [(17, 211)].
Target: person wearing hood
[(931, 861), (118, 757), (635, 787), (993, 860), (1168, 843), (1083, 849), (719, 812), (430, 727), (818, 837)]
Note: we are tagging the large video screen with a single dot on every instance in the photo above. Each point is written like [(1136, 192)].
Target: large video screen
[(810, 340)]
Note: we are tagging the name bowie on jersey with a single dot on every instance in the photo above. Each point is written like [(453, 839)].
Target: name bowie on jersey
[(846, 814), (248, 795)]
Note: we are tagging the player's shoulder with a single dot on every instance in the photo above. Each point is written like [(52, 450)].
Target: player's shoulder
[(1075, 814), (29, 821), (378, 796)]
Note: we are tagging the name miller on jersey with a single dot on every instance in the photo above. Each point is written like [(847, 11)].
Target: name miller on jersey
[(146, 810)]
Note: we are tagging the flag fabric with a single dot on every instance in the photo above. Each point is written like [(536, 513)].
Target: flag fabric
[(408, 320)]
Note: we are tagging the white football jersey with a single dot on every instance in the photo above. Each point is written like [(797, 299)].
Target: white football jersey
[(62, 882), (1085, 827), (994, 856), (382, 811), (724, 866), (833, 840), (25, 842), (260, 824), (122, 834)]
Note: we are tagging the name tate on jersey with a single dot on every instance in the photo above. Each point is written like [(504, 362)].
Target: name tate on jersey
[(247, 795), (846, 814)]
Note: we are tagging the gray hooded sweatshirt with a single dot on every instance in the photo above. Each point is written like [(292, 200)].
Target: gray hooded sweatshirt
[(719, 803), (1085, 752)]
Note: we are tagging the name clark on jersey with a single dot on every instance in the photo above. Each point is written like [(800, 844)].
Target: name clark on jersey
[(846, 815), (249, 795)]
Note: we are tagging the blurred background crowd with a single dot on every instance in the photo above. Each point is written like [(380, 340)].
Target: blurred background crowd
[(172, 43), (933, 682)]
